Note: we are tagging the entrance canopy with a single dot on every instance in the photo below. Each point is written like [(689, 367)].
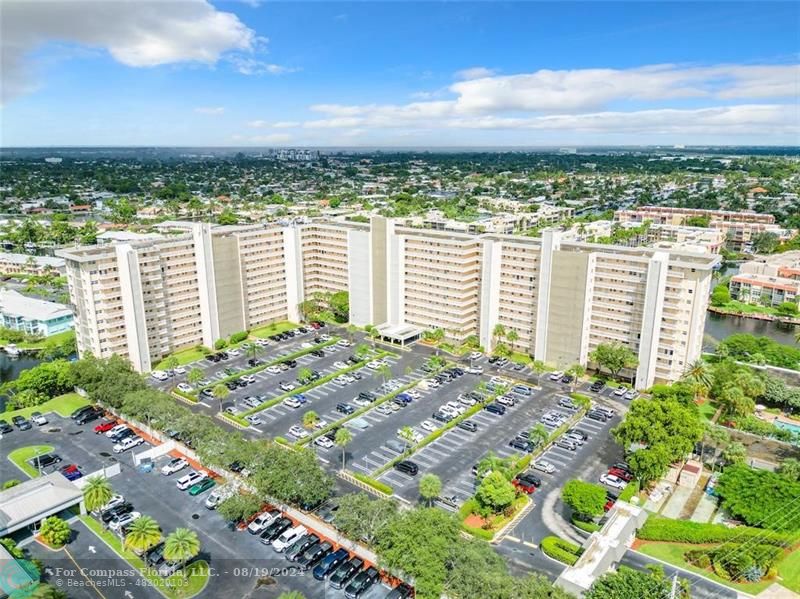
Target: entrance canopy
[(36, 499), (399, 334)]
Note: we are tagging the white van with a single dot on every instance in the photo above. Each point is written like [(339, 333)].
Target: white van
[(288, 537)]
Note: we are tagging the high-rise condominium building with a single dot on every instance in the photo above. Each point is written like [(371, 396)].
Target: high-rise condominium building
[(145, 299)]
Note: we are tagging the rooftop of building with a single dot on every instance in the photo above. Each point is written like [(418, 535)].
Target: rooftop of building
[(25, 258), (31, 499), (771, 282), (13, 303)]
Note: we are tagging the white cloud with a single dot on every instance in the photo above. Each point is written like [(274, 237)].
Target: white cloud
[(211, 110), (252, 66), (474, 73), (136, 34), (259, 124)]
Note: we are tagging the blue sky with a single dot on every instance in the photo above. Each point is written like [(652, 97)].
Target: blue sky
[(399, 73)]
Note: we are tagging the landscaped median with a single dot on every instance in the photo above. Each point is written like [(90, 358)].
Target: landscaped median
[(240, 418), (561, 550), (20, 457), (181, 585), (487, 528), (63, 405)]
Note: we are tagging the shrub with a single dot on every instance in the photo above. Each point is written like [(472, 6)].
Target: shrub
[(480, 533), (582, 400), (629, 491), (759, 497), (238, 337), (220, 344), (658, 528), (561, 550), (589, 527), (375, 484), (55, 531)]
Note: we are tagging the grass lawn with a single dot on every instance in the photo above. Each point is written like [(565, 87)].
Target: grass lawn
[(673, 553), (745, 308), (172, 587), (63, 405), (789, 571), (186, 356), (272, 329), (19, 457), (56, 339)]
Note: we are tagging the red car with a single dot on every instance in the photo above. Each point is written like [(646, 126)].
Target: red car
[(609, 504), (105, 426), (526, 483), (626, 476)]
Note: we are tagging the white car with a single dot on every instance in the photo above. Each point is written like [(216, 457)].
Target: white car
[(476, 355), (262, 521), (116, 430), (185, 387), (433, 383), (254, 419), (128, 443), (544, 466), (506, 400), (274, 369), (630, 395), (456, 407), (416, 436), (159, 375), (123, 520), (499, 381), (232, 410), (298, 432), (249, 379), (620, 391), (173, 466), (428, 425), (218, 495), (291, 402), (340, 365), (556, 376), (474, 370), (179, 370), (343, 343), (38, 419), (190, 479), (323, 441), (613, 481), (288, 537), (234, 352), (113, 502), (449, 411), (325, 337), (262, 342), (375, 364), (320, 424), (413, 394), (341, 380), (306, 344)]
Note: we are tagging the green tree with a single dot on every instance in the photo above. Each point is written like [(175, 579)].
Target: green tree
[(613, 357), (700, 376), (181, 545), (430, 486), (11, 483), (495, 492), (735, 453), (512, 336), (339, 304), (304, 375), (406, 433), (252, 350), (143, 533), (587, 500), (538, 434), (361, 517), (627, 583), (576, 371), (221, 393), (498, 333), (342, 439), (46, 591), (351, 332), (385, 371), (765, 242), (790, 469), (310, 419), (227, 217), (239, 507), (96, 493), (721, 295), (362, 351), (171, 363), (55, 531), (194, 376)]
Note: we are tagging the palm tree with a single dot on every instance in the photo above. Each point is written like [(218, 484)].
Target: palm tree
[(430, 486), (310, 419), (373, 333), (342, 439), (181, 545), (577, 371), (698, 374), (538, 434), (46, 591), (195, 376), (97, 493), (407, 434), (498, 332), (351, 331), (252, 350), (362, 351), (386, 372), (304, 375), (171, 363), (512, 337), (143, 533), (221, 392)]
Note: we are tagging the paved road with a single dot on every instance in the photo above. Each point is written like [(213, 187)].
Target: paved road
[(701, 588)]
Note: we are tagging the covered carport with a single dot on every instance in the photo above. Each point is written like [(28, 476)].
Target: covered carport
[(32, 501), (399, 334)]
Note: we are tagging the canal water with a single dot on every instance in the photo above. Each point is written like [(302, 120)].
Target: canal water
[(720, 326), (10, 369)]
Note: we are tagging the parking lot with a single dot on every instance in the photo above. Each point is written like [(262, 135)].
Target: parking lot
[(238, 560)]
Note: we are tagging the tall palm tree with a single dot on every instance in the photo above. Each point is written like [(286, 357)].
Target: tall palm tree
[(252, 350), (577, 371), (310, 419), (351, 331), (513, 337), (499, 332), (430, 486), (407, 435), (97, 492), (195, 376), (342, 439), (221, 392), (143, 533), (181, 545), (538, 434), (386, 372)]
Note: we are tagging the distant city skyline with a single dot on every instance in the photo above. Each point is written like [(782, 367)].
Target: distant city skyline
[(384, 74)]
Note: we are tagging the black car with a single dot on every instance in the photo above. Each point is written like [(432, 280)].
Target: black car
[(89, 415), (361, 583), (80, 411), (254, 362), (291, 363), (367, 396), (21, 423), (274, 530), (495, 408), (117, 510), (407, 467), (530, 479), (313, 556), (597, 386), (300, 546), (468, 425), (211, 358), (522, 444), (567, 378), (232, 385), (46, 460), (345, 408), (441, 417), (345, 572), (5, 427), (318, 353), (123, 434), (581, 433), (595, 415), (330, 562), (353, 360), (493, 359), (401, 591), (154, 556)]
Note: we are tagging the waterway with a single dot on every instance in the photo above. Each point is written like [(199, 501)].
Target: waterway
[(720, 326), (10, 369)]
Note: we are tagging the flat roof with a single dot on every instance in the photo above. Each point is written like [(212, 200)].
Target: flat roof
[(35, 499), (13, 303), (24, 258), (400, 332)]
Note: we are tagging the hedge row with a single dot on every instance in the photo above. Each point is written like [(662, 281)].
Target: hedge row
[(375, 484), (658, 528), (561, 550), (589, 527), (478, 533), (583, 400), (631, 489)]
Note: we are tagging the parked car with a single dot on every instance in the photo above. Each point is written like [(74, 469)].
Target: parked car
[(80, 411), (401, 591), (619, 473), (344, 408), (286, 386), (544, 466), (70, 472), (597, 386), (201, 487), (527, 482), (323, 441), (613, 481), (114, 430), (468, 425), (123, 519), (311, 557), (254, 419), (218, 495), (361, 583), (522, 444), (128, 443), (566, 402), (556, 376), (121, 508), (407, 467), (291, 402), (185, 387), (342, 576), (330, 562), (38, 419), (288, 537), (261, 521), (298, 432), (565, 443), (495, 408), (474, 370), (45, 460), (596, 415), (89, 415), (631, 395), (5, 427), (21, 423), (190, 479), (300, 546), (275, 529), (428, 426)]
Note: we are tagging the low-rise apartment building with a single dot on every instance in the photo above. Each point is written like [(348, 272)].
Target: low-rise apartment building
[(11, 263), (769, 282), (561, 297)]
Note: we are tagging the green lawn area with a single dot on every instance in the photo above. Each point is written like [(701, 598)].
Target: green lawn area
[(63, 405), (172, 587), (57, 339), (273, 329), (19, 457), (745, 308), (185, 356), (673, 554), (789, 571)]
